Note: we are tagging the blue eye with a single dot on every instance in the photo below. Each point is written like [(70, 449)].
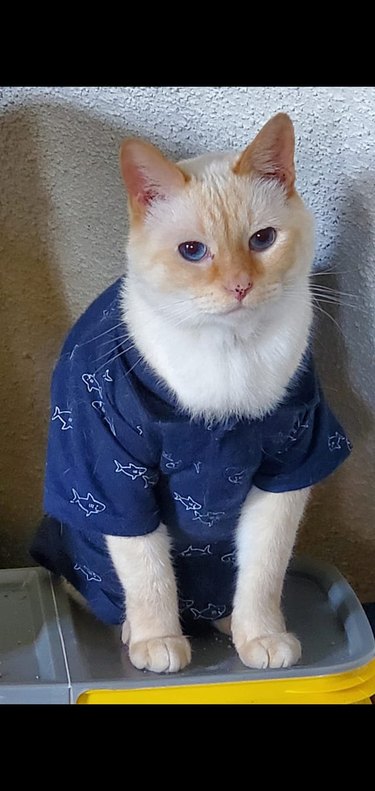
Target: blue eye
[(263, 239), (192, 251)]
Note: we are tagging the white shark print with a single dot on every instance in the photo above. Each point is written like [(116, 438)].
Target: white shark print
[(72, 353), (88, 504), (90, 575), (170, 464), (130, 469), (61, 415), (135, 472), (211, 612), (297, 429), (230, 557), (334, 442), (196, 551), (208, 518), (151, 479), (99, 406), (187, 502), (287, 440), (235, 475), (107, 377), (111, 424), (112, 307), (92, 383), (185, 604)]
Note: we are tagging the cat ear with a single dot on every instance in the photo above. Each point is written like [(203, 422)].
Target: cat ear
[(271, 154), (147, 173)]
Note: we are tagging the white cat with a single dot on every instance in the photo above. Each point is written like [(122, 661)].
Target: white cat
[(226, 332), (212, 426)]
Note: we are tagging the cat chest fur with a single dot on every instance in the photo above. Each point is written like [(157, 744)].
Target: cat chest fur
[(218, 371)]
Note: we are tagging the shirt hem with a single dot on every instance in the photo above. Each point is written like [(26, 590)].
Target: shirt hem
[(108, 527), (287, 484)]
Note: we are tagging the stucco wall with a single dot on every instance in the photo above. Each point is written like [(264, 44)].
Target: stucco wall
[(62, 229)]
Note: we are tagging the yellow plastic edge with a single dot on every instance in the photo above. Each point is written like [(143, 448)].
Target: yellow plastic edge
[(354, 686)]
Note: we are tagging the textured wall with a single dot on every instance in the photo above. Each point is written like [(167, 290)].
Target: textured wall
[(63, 223)]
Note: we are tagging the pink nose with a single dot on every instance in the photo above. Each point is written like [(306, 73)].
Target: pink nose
[(240, 291)]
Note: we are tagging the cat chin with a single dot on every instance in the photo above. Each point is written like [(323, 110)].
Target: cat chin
[(237, 317), (234, 319)]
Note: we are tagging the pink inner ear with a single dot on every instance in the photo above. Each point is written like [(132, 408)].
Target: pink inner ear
[(147, 173), (272, 169), (139, 183), (147, 197), (146, 194), (271, 154)]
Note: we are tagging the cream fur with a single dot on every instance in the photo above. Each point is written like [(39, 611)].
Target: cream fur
[(222, 363), (265, 537), (152, 628), (234, 367), (218, 363)]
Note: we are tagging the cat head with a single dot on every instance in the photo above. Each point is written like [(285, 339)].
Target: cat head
[(219, 237)]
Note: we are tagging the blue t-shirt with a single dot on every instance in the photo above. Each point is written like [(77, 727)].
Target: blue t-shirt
[(123, 457)]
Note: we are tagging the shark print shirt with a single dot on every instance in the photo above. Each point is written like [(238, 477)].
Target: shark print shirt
[(123, 457)]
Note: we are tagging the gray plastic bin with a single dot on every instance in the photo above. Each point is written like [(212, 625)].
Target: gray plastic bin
[(52, 651)]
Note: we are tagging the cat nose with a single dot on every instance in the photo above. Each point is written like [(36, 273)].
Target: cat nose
[(240, 289)]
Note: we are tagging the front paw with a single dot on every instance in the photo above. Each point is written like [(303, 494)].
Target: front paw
[(160, 654), (272, 650)]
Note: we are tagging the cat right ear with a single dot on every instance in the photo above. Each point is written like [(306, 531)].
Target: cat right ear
[(271, 154), (148, 174)]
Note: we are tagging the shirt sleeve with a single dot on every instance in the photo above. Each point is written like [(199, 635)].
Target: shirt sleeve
[(102, 468), (302, 441)]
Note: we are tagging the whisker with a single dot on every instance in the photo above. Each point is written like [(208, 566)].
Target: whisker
[(331, 272), (171, 315), (315, 305), (175, 323), (332, 301), (187, 299), (108, 362), (118, 338), (106, 354), (330, 298), (330, 290), (95, 338), (133, 366), (173, 307), (330, 317)]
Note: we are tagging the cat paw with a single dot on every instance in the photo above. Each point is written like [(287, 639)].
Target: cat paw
[(161, 654), (273, 650)]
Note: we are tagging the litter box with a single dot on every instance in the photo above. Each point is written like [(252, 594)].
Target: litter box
[(52, 651)]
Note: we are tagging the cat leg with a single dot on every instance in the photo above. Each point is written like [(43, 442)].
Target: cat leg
[(224, 625), (265, 537), (152, 627)]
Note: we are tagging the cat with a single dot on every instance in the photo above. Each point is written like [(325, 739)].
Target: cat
[(211, 408)]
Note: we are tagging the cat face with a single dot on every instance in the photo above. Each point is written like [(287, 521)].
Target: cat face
[(218, 237)]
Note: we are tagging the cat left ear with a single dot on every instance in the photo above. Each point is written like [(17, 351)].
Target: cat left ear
[(147, 173), (271, 154)]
